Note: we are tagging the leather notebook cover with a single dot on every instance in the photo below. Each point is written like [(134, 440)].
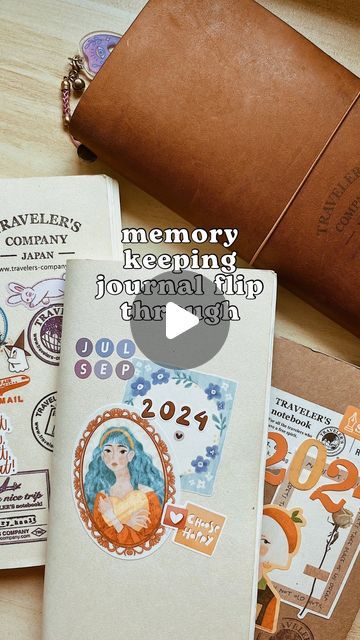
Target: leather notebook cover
[(219, 110)]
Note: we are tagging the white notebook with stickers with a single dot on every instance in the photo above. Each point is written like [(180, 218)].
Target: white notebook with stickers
[(43, 222), (157, 477)]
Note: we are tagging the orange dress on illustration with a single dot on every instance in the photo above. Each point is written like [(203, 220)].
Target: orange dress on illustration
[(124, 508)]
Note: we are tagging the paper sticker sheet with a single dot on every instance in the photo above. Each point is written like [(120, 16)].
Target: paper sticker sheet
[(43, 222)]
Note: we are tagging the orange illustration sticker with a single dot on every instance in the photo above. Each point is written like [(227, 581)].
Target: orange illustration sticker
[(350, 423), (202, 530)]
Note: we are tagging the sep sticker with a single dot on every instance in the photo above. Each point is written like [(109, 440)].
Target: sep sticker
[(350, 423), (202, 530)]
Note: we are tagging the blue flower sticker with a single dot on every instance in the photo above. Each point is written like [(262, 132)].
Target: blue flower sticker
[(140, 387), (212, 452), (213, 392), (200, 464), (220, 405), (160, 377)]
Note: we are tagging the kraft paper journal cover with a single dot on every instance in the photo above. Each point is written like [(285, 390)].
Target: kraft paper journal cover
[(309, 566), (168, 541), (221, 110), (43, 222)]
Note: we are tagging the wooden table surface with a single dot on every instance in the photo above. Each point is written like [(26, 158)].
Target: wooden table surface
[(36, 38)]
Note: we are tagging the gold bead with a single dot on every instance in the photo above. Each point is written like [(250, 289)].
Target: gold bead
[(78, 84), (66, 119), (65, 85)]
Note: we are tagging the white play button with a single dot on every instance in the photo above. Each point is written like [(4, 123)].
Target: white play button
[(178, 320), (189, 349)]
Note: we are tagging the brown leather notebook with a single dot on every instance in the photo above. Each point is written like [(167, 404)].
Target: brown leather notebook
[(219, 109)]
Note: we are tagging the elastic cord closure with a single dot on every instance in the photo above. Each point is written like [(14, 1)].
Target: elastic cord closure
[(304, 180)]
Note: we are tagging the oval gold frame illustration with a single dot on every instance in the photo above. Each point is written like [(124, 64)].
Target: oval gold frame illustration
[(153, 539)]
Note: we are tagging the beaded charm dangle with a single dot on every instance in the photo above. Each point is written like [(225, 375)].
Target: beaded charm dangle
[(95, 48), (74, 81)]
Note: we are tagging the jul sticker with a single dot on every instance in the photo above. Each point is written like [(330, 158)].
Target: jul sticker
[(44, 334), (202, 530)]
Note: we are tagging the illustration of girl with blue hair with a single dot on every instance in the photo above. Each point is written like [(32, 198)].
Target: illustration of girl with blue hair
[(123, 488)]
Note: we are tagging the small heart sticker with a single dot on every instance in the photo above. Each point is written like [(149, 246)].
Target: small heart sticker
[(176, 517)]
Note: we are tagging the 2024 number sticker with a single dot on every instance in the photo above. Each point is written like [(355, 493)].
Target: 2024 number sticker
[(168, 410), (297, 465)]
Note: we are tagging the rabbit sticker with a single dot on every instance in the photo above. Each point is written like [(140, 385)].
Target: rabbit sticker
[(41, 293)]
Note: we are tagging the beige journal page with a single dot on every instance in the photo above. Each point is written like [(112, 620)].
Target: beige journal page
[(157, 472)]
